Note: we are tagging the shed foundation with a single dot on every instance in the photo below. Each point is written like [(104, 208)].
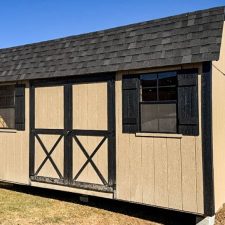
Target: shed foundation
[(205, 221)]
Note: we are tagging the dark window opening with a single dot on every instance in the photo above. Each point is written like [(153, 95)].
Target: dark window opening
[(7, 106), (158, 102)]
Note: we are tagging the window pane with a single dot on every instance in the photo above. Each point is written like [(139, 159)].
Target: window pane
[(7, 96), (149, 80), (7, 118), (149, 94), (7, 101), (158, 118), (149, 117), (168, 93), (167, 78), (167, 118), (7, 90)]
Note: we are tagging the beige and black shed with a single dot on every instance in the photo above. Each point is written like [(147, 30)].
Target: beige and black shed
[(133, 113)]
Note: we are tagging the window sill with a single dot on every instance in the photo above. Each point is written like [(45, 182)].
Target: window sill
[(160, 135), (8, 130)]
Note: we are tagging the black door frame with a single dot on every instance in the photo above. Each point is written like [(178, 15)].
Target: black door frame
[(68, 133)]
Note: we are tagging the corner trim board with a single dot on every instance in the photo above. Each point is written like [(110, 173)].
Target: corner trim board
[(207, 140)]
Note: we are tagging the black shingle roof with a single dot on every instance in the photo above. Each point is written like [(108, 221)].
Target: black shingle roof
[(187, 38)]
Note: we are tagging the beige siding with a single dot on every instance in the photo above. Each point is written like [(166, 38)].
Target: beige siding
[(49, 114), (14, 152), (161, 170), (49, 107), (189, 174), (90, 113), (90, 106), (57, 156), (218, 106), (174, 173)]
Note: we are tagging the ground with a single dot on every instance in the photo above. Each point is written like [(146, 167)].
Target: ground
[(25, 205)]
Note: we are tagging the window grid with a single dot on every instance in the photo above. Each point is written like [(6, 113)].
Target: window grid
[(157, 101), (7, 101)]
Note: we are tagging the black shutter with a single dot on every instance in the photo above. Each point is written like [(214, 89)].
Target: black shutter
[(130, 109), (188, 121), (20, 107)]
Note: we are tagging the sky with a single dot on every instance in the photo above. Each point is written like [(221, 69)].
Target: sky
[(29, 21)]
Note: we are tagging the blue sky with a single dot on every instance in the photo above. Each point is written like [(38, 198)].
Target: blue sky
[(28, 21)]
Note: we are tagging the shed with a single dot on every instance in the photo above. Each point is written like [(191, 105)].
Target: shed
[(134, 113)]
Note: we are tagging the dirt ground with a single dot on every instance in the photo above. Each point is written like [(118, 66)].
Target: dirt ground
[(25, 205)]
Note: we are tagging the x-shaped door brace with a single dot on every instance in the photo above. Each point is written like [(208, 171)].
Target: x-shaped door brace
[(48, 155), (89, 159)]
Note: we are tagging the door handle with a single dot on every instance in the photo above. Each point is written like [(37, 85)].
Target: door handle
[(68, 132)]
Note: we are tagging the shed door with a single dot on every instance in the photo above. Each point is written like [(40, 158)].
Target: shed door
[(73, 134), (47, 134)]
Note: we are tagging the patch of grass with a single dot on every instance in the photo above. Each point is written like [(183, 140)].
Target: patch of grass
[(24, 209)]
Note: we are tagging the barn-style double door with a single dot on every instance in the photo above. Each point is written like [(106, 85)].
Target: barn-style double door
[(72, 132)]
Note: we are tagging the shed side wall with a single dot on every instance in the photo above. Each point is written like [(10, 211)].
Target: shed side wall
[(159, 170), (162, 171), (14, 151), (218, 105)]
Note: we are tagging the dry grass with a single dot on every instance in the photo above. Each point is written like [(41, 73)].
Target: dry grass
[(220, 217), (22, 208), (25, 205)]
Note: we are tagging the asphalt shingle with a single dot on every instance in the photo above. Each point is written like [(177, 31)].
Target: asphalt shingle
[(187, 38)]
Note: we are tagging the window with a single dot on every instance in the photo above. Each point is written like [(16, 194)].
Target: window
[(7, 106), (161, 102), (158, 102)]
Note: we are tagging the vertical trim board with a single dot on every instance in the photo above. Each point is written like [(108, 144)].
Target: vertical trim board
[(207, 141), (32, 137), (68, 121)]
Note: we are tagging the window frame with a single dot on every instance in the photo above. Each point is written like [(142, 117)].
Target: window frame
[(158, 101), (10, 107)]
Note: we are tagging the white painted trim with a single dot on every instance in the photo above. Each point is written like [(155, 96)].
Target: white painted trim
[(162, 135), (205, 221)]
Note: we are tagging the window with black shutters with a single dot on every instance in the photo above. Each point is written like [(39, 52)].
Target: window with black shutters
[(163, 102), (7, 106), (158, 102)]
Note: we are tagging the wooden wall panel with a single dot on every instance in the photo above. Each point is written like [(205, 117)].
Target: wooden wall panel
[(49, 107), (218, 106), (189, 174), (174, 173), (57, 156), (122, 149), (80, 106), (123, 178), (79, 158), (148, 171), (100, 159), (162, 170), (14, 151), (135, 168), (199, 177), (90, 106)]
